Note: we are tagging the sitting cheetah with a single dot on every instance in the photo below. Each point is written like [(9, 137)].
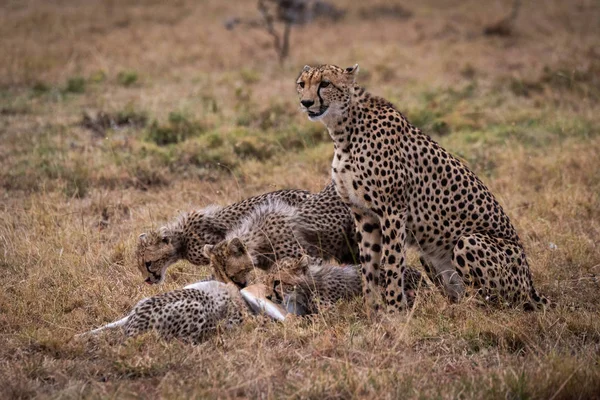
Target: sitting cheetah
[(404, 189), (328, 230), (191, 314)]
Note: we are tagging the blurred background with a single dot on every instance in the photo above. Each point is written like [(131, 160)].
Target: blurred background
[(141, 93)]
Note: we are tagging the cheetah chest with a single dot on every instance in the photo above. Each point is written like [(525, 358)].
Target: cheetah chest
[(343, 175)]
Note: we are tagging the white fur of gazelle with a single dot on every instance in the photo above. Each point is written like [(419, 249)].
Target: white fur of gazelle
[(255, 297)]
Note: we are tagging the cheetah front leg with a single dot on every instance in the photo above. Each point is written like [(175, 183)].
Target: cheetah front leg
[(368, 235), (393, 229)]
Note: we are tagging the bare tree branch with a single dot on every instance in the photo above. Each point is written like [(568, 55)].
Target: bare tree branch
[(269, 21)]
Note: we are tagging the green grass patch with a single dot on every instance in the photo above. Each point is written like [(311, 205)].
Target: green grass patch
[(584, 82), (76, 85), (102, 121), (77, 178), (98, 76), (178, 129), (479, 147), (436, 109), (127, 78), (40, 88), (249, 76), (49, 165)]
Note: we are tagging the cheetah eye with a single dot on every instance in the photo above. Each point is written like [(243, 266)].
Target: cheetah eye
[(165, 240), (324, 84), (301, 84)]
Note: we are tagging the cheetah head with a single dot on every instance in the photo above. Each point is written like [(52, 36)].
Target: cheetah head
[(155, 252), (325, 90), (230, 261)]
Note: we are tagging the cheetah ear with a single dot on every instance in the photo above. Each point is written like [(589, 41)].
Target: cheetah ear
[(352, 72), (304, 262), (306, 68), (165, 235), (207, 250), (301, 266), (142, 236), (236, 246)]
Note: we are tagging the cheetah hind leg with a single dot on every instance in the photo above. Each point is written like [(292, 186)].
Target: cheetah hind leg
[(497, 269), (112, 325), (256, 297), (116, 324)]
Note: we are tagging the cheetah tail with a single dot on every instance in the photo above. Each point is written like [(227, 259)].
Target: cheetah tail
[(112, 325)]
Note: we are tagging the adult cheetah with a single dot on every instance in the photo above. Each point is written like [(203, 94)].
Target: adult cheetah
[(329, 230), (404, 189)]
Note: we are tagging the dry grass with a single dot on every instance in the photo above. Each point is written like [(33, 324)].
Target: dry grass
[(223, 124)]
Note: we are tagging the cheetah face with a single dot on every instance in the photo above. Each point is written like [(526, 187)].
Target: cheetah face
[(230, 261), (325, 90), (155, 252)]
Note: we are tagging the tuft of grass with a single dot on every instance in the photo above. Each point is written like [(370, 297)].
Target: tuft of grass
[(127, 78), (253, 147), (76, 85), (77, 178), (98, 76), (103, 121), (178, 129), (40, 88), (249, 76), (437, 111), (468, 71), (583, 82), (521, 87)]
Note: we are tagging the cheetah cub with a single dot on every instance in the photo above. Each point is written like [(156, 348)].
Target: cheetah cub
[(405, 190), (302, 285), (270, 233), (185, 237), (327, 223), (190, 314)]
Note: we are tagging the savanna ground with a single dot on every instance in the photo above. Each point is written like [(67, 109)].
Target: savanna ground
[(183, 113)]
